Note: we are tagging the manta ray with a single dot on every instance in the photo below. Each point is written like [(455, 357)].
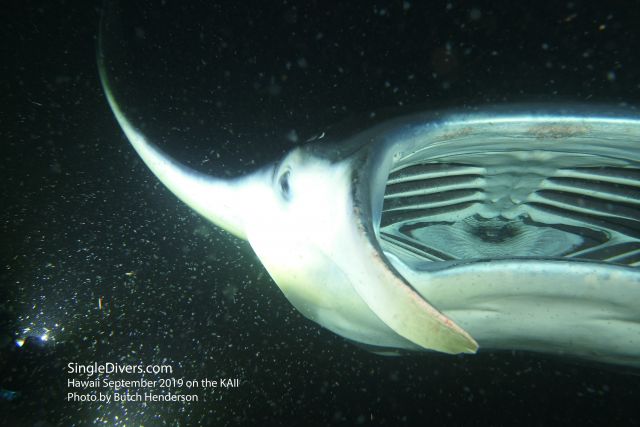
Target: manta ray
[(451, 231)]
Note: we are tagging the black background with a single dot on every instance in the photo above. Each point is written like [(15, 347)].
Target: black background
[(227, 87)]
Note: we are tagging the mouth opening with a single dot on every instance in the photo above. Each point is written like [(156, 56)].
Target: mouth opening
[(543, 187)]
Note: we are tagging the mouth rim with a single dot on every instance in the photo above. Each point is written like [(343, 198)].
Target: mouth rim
[(394, 147)]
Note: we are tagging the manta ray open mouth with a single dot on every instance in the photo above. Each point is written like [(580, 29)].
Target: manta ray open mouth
[(523, 228), (516, 229), (565, 188)]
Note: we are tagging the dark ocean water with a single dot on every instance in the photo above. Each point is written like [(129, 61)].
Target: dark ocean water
[(100, 263)]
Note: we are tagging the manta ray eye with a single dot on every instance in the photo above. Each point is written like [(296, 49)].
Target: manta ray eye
[(285, 190)]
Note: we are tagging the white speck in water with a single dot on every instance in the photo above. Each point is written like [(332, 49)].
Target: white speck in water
[(475, 14)]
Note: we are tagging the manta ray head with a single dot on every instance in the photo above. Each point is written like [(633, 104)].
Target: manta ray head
[(303, 227), (300, 206)]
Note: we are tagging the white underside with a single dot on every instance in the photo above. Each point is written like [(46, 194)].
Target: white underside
[(567, 308)]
